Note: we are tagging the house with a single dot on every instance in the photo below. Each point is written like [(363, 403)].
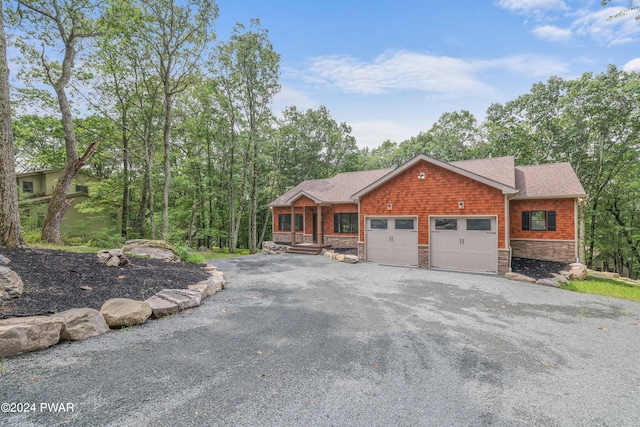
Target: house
[(35, 190), (467, 215)]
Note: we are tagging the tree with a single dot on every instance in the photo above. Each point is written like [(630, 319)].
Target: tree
[(58, 25), (177, 37), (10, 229)]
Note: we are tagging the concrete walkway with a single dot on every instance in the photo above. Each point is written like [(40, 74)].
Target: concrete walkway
[(304, 340)]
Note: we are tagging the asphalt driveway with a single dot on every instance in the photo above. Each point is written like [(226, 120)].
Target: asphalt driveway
[(303, 340)]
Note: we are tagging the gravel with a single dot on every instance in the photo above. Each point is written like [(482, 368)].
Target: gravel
[(304, 340)]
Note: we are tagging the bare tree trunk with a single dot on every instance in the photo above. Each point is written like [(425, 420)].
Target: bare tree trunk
[(164, 228), (125, 180), (10, 229)]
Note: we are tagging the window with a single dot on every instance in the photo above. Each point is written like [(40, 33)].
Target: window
[(481, 224), (404, 224), (378, 224), (539, 220), (284, 222), (345, 222), (446, 224), (82, 189), (27, 187)]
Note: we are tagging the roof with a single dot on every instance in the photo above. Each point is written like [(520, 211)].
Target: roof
[(553, 180), (48, 171), (498, 169), (550, 180), (338, 189), (505, 188)]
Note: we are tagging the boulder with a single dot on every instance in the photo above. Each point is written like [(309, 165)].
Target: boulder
[(578, 271), (81, 323), (351, 259), (217, 279), (4, 261), (170, 301), (271, 248), (205, 287), (21, 335), (11, 285), (562, 280), (520, 277), (548, 282), (119, 312), (113, 258), (154, 249), (339, 257)]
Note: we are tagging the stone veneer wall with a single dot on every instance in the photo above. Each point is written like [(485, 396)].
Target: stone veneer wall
[(503, 261), (546, 250), (360, 251), (423, 256), (285, 236), (341, 241)]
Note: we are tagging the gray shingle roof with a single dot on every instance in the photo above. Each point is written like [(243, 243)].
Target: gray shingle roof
[(538, 181), (498, 169), (340, 188), (548, 180)]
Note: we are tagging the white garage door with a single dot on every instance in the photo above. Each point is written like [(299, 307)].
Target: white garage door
[(392, 241), (469, 244)]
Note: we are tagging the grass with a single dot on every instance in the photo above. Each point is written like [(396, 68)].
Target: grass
[(223, 253), (606, 287)]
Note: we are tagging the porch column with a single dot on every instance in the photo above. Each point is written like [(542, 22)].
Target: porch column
[(319, 237), (293, 225)]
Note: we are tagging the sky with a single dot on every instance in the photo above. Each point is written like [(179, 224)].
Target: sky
[(390, 69)]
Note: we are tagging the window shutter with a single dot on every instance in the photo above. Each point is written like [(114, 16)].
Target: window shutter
[(525, 220), (336, 223), (551, 220)]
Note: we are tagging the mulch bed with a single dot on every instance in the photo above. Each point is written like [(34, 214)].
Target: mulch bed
[(536, 268), (53, 280)]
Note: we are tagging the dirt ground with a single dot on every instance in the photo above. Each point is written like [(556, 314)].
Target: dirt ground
[(55, 281)]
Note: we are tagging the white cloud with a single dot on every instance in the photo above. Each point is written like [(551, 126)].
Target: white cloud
[(631, 66), (552, 33), (289, 96), (531, 65), (396, 71), (532, 6), (373, 133), (440, 76), (605, 27)]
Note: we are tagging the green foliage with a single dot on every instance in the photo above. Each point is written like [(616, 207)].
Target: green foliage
[(606, 287), (186, 254)]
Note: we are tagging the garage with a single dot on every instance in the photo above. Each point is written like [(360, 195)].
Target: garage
[(464, 243), (392, 240)]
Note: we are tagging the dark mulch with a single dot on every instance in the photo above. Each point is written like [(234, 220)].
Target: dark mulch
[(53, 279), (536, 268)]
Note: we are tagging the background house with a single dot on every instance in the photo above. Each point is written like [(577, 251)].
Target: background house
[(35, 190)]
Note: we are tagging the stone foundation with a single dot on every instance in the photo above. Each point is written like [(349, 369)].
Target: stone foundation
[(360, 251), (285, 236), (347, 242), (423, 256), (503, 261), (545, 250)]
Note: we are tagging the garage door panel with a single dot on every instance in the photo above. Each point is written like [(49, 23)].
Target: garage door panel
[(465, 247), (396, 246)]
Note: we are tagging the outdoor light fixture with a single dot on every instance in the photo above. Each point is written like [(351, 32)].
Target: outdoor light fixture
[(421, 176), (389, 206), (461, 204)]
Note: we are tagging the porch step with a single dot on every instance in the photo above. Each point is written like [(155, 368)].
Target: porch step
[(306, 250)]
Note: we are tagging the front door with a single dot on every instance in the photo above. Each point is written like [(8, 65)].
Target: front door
[(315, 228)]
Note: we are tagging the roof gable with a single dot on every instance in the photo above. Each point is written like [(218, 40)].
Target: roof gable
[(506, 189)]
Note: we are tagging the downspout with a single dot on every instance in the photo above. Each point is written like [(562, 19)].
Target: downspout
[(507, 226)]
